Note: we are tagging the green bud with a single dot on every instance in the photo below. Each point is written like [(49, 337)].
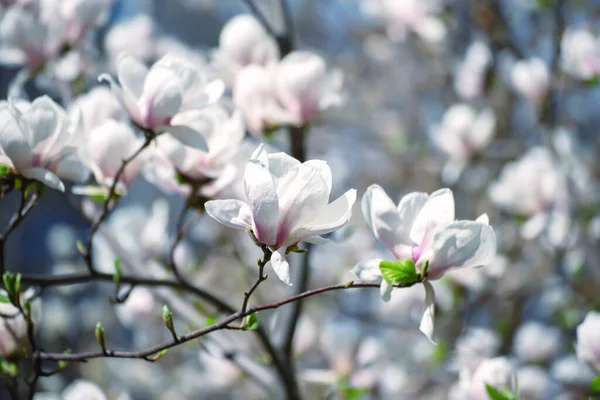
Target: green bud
[(250, 322), (100, 336), (167, 317)]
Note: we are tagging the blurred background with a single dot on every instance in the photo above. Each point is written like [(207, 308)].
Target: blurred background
[(495, 99)]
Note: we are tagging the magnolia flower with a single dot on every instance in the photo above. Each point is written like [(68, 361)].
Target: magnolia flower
[(156, 97), (103, 152), (287, 202), (462, 134), (588, 341), (535, 187), (135, 36), (406, 16), (496, 372), (13, 331), (531, 78), (305, 87), (422, 229), (244, 41), (95, 108), (39, 142), (534, 342), (81, 16), (83, 390), (25, 39), (580, 54), (213, 171), (292, 92), (470, 76)]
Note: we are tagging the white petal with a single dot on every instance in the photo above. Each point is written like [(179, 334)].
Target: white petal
[(12, 141), (187, 136), (463, 244), (426, 325), (436, 214), (71, 168), (316, 240), (534, 226), (324, 169), (161, 98), (329, 219), (281, 266), (131, 73), (484, 219), (385, 290), (368, 270), (261, 155), (409, 208), (214, 90), (125, 98), (382, 216), (261, 194), (44, 176), (280, 163), (231, 213), (41, 123)]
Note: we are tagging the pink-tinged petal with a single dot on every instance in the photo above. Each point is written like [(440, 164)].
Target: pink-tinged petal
[(281, 266), (463, 244), (187, 136), (280, 163), (231, 213), (385, 290), (125, 98), (262, 199), (161, 98), (324, 169), (408, 209), (330, 218), (13, 143), (302, 195), (44, 176), (132, 73), (382, 217), (436, 214), (426, 325), (368, 270), (41, 124)]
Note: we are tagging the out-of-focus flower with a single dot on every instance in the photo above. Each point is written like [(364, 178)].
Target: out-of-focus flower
[(243, 41), (81, 16), (39, 141), (135, 36), (83, 390), (422, 229), (13, 330), (156, 98), (580, 54), (588, 340), (403, 17), (95, 108), (462, 134), (26, 40), (476, 345), (531, 78), (535, 342), (140, 304), (496, 372), (535, 187), (534, 383), (292, 92), (103, 152), (287, 202), (223, 132), (470, 77)]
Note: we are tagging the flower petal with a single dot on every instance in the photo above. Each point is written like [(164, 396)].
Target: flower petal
[(231, 213), (385, 290), (40, 123), (280, 163), (261, 155), (382, 217), (262, 199), (329, 218), (44, 176), (187, 136), (281, 266), (463, 244), (368, 270), (132, 74), (125, 98), (161, 98), (324, 169), (426, 325), (13, 143), (436, 214)]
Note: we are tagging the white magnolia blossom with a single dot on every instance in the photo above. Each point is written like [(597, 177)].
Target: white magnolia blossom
[(422, 228), (497, 372), (83, 390), (286, 202), (135, 36), (81, 16), (39, 141), (156, 98), (580, 52), (535, 187), (469, 81), (95, 108), (531, 78), (292, 92), (535, 342), (462, 134), (588, 340), (140, 304), (223, 132), (13, 331), (403, 17), (104, 150), (244, 41)]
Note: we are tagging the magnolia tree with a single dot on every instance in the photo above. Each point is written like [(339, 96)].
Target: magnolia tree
[(233, 209)]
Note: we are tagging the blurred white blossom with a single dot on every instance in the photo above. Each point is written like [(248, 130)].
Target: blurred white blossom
[(531, 78)]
